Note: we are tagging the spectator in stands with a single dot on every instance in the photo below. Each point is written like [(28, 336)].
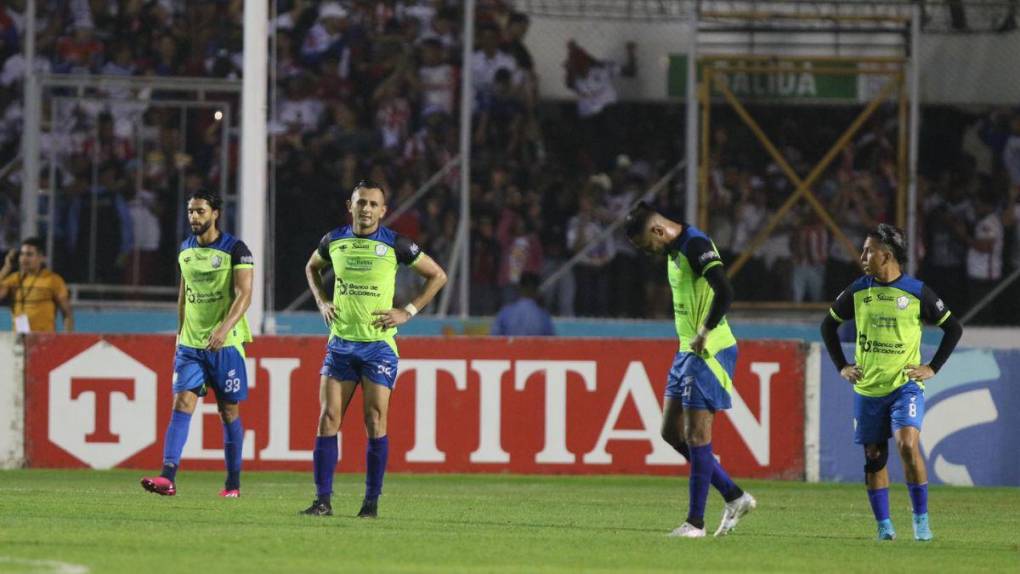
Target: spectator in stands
[(100, 229), (327, 36), (525, 317), (35, 291), (521, 251), (436, 80), (810, 252), (442, 27), (142, 265), (516, 29), (488, 59), (80, 52), (592, 81), (948, 213), (485, 261), (592, 280), (854, 206), (984, 256), (501, 116)]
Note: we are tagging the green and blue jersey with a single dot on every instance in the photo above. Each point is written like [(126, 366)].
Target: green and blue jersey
[(366, 270), (889, 319), (689, 257), (208, 275)]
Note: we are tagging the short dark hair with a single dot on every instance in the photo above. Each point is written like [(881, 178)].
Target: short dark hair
[(36, 242), (530, 281), (519, 18), (893, 239), (369, 184), (637, 219), (213, 198)]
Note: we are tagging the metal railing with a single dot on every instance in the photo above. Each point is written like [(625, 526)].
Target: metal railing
[(103, 296)]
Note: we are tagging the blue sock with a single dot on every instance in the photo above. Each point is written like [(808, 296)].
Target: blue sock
[(233, 443), (919, 497), (702, 468), (324, 462), (173, 443), (720, 480), (724, 484), (376, 455), (879, 503)]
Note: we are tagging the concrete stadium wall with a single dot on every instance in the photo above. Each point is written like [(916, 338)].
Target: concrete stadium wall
[(955, 69), (11, 402)]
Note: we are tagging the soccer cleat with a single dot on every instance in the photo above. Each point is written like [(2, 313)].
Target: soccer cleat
[(922, 532), (734, 511), (230, 493), (160, 485), (687, 530), (318, 508), (369, 509), (886, 530)]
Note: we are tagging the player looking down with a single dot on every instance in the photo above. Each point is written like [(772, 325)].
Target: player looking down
[(701, 379)]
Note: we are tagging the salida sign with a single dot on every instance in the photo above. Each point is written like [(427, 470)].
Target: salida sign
[(460, 405)]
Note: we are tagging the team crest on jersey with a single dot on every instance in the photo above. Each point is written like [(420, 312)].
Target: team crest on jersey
[(216, 261), (902, 302), (380, 250), (940, 305)]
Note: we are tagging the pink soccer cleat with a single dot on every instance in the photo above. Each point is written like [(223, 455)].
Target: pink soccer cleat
[(235, 493), (160, 485)]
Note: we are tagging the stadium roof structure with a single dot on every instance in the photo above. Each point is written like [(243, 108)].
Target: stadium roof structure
[(970, 16)]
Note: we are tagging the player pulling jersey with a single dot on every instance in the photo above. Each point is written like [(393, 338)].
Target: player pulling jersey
[(700, 381)]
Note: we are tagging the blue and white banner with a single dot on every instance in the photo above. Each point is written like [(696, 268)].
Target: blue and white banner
[(970, 434)]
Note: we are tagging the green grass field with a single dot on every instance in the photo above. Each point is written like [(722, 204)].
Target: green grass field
[(104, 522)]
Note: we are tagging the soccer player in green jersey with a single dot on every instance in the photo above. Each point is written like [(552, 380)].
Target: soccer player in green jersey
[(888, 376), (362, 323), (215, 291), (701, 379)]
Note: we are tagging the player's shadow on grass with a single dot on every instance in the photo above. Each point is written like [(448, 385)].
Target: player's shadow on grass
[(511, 523)]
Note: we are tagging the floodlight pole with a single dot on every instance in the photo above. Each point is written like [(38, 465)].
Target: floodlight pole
[(466, 100), (691, 179), (30, 135), (252, 191), (914, 64)]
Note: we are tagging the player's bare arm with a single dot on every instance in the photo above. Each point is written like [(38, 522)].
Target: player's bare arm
[(243, 279), (64, 302), (180, 306), (435, 278), (313, 274)]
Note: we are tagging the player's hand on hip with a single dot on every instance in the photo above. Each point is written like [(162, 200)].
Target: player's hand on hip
[(851, 373), (698, 344), (390, 318), (919, 372), (328, 312), (216, 340)]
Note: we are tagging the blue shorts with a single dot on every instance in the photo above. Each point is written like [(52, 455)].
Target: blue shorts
[(876, 418), (356, 360), (224, 370), (700, 383)]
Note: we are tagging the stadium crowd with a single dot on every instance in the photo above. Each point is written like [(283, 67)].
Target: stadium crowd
[(370, 88)]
